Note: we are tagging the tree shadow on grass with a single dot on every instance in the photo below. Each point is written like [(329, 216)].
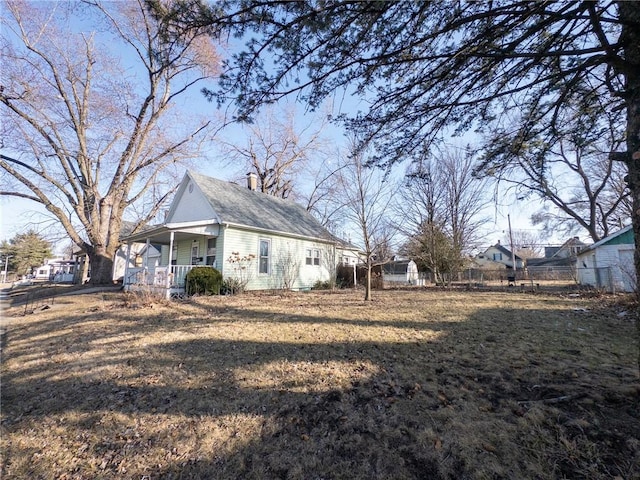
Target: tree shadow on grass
[(480, 398)]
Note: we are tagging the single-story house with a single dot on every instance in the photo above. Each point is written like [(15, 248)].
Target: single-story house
[(609, 263), (59, 270), (256, 239), (400, 272), (498, 254)]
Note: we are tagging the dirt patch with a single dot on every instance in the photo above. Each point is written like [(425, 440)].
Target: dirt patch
[(417, 384)]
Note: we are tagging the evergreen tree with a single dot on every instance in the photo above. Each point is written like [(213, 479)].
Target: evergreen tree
[(26, 251)]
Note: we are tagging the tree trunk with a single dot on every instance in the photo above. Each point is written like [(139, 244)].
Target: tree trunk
[(101, 267), (367, 288), (630, 37)]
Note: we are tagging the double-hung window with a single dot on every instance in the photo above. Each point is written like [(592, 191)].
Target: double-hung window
[(264, 256), (312, 256)]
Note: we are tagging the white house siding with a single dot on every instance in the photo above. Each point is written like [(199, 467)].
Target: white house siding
[(586, 268), (286, 253), (184, 252), (120, 259), (606, 267), (627, 269), (185, 210)]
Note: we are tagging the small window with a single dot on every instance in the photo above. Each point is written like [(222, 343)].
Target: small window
[(312, 257), (265, 252), (497, 256)]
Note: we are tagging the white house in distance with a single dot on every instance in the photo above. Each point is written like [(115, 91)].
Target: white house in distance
[(609, 263), (498, 254), (59, 270), (264, 241)]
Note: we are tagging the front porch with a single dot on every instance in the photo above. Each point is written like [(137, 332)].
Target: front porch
[(164, 282)]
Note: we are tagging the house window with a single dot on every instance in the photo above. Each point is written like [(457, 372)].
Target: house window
[(211, 251), (265, 252), (497, 257), (312, 256), (195, 249)]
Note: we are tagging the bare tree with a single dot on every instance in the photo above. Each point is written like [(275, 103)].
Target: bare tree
[(568, 168), (365, 194), (440, 209), (90, 130), (276, 150), (322, 198), (526, 243)]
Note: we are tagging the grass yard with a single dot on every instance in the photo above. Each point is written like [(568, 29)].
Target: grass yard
[(415, 385)]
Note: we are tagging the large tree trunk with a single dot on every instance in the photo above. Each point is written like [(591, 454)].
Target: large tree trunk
[(101, 266), (630, 19), (367, 288)]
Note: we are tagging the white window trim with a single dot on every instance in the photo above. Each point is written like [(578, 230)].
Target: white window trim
[(311, 256), (268, 257)]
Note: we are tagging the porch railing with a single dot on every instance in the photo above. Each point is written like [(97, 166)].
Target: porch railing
[(169, 276)]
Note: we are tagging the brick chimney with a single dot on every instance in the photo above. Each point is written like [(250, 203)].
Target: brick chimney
[(252, 181)]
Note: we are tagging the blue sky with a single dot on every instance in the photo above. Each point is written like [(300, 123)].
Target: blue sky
[(18, 215)]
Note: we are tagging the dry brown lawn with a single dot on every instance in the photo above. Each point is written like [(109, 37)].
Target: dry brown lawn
[(416, 384)]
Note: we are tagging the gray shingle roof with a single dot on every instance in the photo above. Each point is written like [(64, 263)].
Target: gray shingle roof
[(239, 205), (506, 251)]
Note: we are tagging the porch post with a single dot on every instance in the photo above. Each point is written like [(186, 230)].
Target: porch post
[(126, 266), (146, 254), (170, 270)]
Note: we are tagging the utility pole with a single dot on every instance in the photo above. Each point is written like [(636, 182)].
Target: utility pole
[(6, 266), (513, 253)]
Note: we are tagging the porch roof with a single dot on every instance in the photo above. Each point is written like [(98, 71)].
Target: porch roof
[(162, 233)]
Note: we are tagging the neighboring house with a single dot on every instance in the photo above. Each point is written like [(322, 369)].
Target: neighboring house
[(609, 263), (568, 249), (557, 259), (498, 254), (260, 240), (58, 270), (401, 272), (140, 256)]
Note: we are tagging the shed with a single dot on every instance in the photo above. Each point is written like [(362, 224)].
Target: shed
[(609, 264), (400, 271)]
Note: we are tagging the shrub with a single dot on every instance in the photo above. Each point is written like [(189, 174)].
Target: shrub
[(203, 281), (320, 285), (232, 286)]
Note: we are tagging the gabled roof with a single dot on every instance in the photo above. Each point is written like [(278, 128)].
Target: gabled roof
[(572, 242), (240, 206), (505, 251), (606, 240)]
